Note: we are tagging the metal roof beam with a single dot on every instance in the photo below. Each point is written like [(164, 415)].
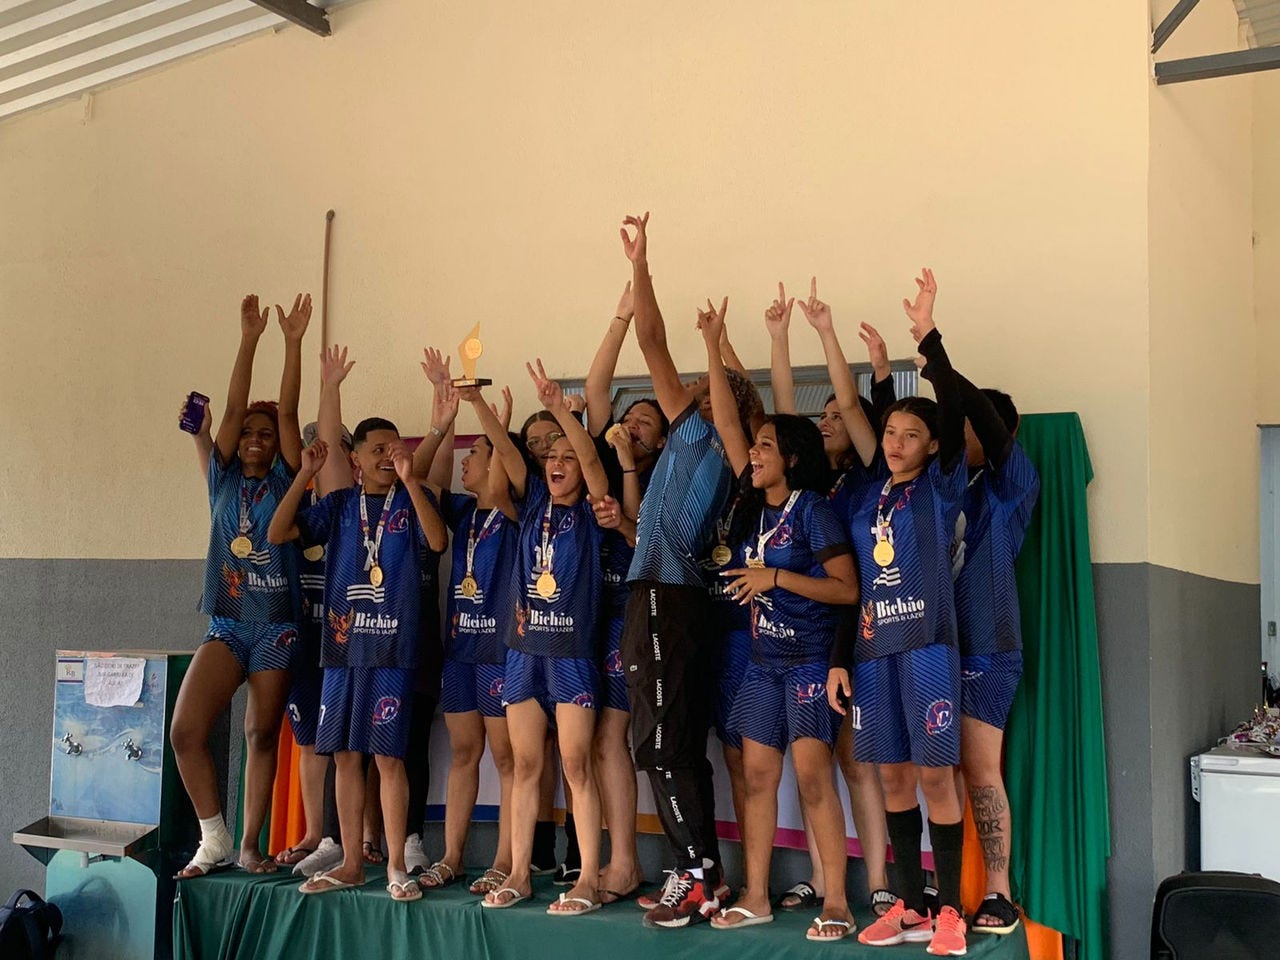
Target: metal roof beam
[(1218, 65), (299, 12), (1170, 23)]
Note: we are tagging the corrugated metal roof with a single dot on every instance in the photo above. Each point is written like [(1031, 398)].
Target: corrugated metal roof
[(1261, 20), (52, 50)]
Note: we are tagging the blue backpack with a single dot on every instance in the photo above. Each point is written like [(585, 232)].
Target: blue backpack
[(29, 931)]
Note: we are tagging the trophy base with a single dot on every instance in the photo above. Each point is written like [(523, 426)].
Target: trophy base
[(462, 382)]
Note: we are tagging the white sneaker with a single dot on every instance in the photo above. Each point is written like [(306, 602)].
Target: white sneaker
[(415, 861), (327, 856)]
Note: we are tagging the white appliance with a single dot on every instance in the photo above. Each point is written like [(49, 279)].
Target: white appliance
[(1239, 793)]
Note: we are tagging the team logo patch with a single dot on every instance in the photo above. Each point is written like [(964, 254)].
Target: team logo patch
[(810, 692), (867, 622), (585, 700), (970, 674), (386, 710), (234, 579), (495, 688), (287, 638), (341, 625), (783, 537), (938, 717), (613, 664)]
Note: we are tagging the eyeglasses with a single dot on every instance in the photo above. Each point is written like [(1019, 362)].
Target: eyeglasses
[(543, 443)]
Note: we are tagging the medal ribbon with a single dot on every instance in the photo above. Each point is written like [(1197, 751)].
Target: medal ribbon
[(372, 547), (245, 522), (724, 525), (764, 536), (474, 537), (884, 525), (548, 548)]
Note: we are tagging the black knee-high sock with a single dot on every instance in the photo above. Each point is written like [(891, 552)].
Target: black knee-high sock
[(572, 855), (544, 844), (905, 829), (947, 840)]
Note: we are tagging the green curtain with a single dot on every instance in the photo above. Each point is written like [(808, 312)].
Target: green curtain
[(1055, 754)]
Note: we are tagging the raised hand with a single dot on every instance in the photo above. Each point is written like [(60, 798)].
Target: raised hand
[(608, 513), (504, 413), (777, 319), (575, 403), (619, 438), (252, 324), (711, 321), (626, 307), (877, 352), (549, 393), (403, 463), (334, 366), (815, 311), (444, 406), (436, 366), (295, 323), (637, 250), (470, 394), (921, 312), (313, 458)]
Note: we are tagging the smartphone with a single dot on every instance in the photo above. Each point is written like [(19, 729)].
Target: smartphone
[(193, 412)]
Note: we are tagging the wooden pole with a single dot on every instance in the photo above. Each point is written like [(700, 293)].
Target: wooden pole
[(324, 286)]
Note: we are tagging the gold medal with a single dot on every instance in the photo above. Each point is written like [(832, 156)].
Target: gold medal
[(469, 586), (242, 546), (546, 585), (721, 555), (314, 553), (755, 563), (883, 553), (375, 575)]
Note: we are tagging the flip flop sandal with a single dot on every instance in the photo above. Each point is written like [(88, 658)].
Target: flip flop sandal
[(434, 876), (408, 889), (208, 859), (323, 883), (258, 868), (816, 935), (804, 895), (613, 896), (567, 876), (588, 906), (749, 919), (490, 880), (372, 855), (882, 898), (516, 897), (996, 906), (293, 856)]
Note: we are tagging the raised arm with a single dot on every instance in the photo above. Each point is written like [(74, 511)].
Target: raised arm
[(284, 522), (777, 320), (294, 327), (620, 440), (883, 394), (513, 464), (334, 368), (731, 359), (945, 385), (203, 438), (433, 527), (252, 325), (673, 396), (600, 375), (444, 411), (846, 390), (552, 397), (724, 411)]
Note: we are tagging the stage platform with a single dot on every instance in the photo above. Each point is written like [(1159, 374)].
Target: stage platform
[(234, 916)]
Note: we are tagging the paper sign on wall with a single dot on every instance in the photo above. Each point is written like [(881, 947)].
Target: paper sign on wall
[(113, 681)]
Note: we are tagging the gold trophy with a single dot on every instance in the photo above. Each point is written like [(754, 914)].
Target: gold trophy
[(470, 350)]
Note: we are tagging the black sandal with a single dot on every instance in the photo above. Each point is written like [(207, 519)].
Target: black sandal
[(805, 896), (997, 907), (882, 898)]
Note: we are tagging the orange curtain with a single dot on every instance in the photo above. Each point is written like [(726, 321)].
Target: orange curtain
[(288, 822)]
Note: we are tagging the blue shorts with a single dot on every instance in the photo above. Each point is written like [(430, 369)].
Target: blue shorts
[(778, 705), (304, 688), (256, 646), (904, 707), (471, 687), (734, 658), (988, 683), (613, 681), (551, 681), (365, 710)]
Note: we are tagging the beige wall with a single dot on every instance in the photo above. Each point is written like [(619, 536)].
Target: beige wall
[(1203, 436), (1266, 250), (480, 154)]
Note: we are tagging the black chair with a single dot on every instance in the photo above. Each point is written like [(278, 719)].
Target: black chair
[(1216, 915)]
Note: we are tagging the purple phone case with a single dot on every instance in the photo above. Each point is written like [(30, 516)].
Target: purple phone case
[(193, 416)]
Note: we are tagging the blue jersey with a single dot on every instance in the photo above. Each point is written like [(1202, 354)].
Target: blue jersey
[(263, 586), (367, 625), (849, 485), (690, 485), (566, 624), (910, 602), (479, 625), (989, 532), (786, 628), (311, 577), (615, 559)]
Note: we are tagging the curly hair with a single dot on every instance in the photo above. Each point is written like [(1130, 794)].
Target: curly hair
[(804, 467)]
